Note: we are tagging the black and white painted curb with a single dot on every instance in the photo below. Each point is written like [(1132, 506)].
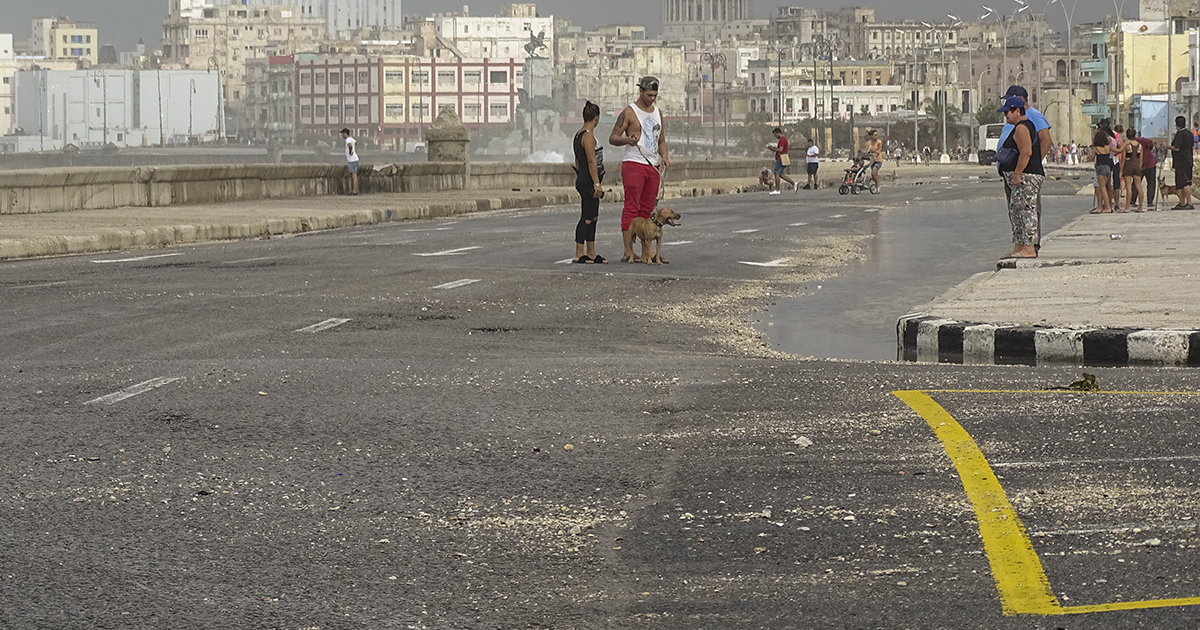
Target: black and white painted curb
[(930, 339)]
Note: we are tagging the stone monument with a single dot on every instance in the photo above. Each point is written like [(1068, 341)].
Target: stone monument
[(448, 137)]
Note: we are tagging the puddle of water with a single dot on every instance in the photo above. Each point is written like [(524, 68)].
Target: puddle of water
[(916, 253)]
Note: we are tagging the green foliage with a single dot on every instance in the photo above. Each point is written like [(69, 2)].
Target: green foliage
[(987, 114)]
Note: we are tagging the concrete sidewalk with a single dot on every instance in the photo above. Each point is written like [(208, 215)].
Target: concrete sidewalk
[(1108, 289)]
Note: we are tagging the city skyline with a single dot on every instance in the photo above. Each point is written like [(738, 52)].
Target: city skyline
[(123, 32)]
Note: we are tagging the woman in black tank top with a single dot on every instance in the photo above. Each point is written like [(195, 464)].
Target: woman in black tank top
[(1024, 177), (589, 169)]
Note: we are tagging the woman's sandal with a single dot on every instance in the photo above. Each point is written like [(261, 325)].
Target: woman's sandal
[(583, 260), (1099, 211), (599, 260)]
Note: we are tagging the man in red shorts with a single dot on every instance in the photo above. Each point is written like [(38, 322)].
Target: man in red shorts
[(640, 130)]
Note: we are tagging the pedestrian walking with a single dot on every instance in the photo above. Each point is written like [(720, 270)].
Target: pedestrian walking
[(1020, 162), (782, 160), (875, 148), (1131, 171), (1074, 153), (1182, 146), (589, 169), (640, 130), (1149, 171), (1101, 150), (812, 162), (351, 160)]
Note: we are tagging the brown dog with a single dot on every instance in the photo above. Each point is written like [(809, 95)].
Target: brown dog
[(1165, 189), (650, 232)]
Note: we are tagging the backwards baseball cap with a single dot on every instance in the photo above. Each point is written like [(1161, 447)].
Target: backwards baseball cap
[(1016, 90), (1011, 102), (648, 83), (345, 131)]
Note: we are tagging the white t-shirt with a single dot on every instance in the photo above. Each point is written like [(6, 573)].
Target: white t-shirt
[(351, 144), (810, 156)]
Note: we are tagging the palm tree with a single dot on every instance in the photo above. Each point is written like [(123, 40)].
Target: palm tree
[(931, 124)]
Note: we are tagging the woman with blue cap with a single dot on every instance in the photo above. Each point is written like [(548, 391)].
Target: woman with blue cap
[(1020, 163)]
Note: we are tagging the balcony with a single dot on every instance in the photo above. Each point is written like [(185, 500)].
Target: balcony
[(1096, 109)]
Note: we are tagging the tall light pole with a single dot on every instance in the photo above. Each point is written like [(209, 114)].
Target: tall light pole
[(823, 45), (1004, 26), (945, 79), (714, 60), (1121, 57)]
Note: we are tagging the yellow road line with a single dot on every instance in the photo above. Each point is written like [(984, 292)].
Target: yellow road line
[(1020, 578)]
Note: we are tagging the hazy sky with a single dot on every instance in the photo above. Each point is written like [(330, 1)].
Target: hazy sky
[(122, 22)]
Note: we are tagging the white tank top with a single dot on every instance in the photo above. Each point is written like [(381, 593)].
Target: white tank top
[(646, 151)]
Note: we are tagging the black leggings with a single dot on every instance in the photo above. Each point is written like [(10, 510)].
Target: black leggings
[(585, 232)]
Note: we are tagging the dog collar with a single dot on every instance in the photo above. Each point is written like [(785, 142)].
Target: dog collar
[(654, 219)]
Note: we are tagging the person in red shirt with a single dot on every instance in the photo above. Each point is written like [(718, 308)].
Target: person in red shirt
[(781, 152), (1149, 168)]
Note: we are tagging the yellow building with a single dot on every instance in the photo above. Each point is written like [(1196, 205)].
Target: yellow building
[(59, 38), (1139, 55)]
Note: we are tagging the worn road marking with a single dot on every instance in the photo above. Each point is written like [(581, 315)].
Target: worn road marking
[(1020, 578), (234, 262), (457, 283), (1072, 462), (325, 325), (749, 231), (40, 285), (449, 252), (836, 216), (121, 260), (133, 390), (681, 242), (779, 262), (440, 229), (796, 224), (558, 262)]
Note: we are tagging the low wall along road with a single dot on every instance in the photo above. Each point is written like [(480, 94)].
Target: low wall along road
[(65, 189)]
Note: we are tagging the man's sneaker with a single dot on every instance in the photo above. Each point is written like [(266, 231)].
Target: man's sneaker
[(773, 192), (808, 187), (795, 186)]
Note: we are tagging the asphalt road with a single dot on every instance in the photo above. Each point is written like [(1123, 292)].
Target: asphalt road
[(345, 445)]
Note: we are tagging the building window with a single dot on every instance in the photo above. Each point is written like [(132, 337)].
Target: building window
[(394, 77), (420, 110), (420, 77), (335, 78), (305, 79), (498, 110), (349, 112), (306, 111), (445, 78), (364, 112), (393, 110), (472, 77), (320, 111), (319, 78), (364, 77), (349, 79), (498, 76), (472, 110)]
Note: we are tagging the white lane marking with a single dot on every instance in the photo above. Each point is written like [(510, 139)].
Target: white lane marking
[(774, 263), (796, 224), (38, 286), (1071, 462), (871, 210), (557, 262), (457, 283), (120, 260), (449, 252), (234, 262), (1116, 529), (325, 325), (428, 229), (836, 216), (133, 390), (681, 242), (751, 231)]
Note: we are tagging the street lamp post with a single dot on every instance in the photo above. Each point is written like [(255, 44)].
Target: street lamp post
[(1004, 26), (714, 60), (190, 94), (944, 75), (820, 46)]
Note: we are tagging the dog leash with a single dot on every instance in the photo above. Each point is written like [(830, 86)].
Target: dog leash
[(662, 174)]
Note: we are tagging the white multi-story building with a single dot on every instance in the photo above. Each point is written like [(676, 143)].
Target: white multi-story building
[(220, 38), (343, 18), (502, 37), (8, 69), (89, 108)]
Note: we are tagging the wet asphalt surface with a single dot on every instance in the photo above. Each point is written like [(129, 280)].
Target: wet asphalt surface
[(553, 446)]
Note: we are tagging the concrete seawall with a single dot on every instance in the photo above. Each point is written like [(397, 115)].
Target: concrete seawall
[(65, 189)]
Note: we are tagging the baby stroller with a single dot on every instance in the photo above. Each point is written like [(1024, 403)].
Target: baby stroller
[(858, 177)]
